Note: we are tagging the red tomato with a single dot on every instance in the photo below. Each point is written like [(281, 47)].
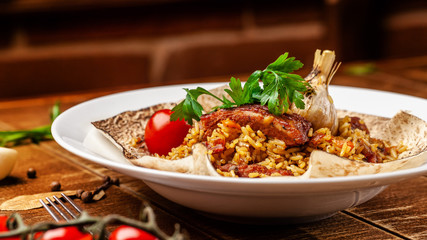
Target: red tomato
[(3, 228), (3, 220), (161, 134), (65, 233), (86, 237), (130, 233)]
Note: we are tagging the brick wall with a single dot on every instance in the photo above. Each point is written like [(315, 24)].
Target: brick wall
[(51, 46)]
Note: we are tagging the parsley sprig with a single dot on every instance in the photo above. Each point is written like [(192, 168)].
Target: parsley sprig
[(279, 90)]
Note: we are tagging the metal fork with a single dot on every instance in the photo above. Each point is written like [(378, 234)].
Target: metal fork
[(60, 215), (57, 213)]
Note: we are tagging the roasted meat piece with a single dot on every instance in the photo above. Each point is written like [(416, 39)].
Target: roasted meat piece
[(357, 123), (290, 128)]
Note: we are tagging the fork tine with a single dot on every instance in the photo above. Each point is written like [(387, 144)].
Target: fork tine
[(65, 207), (71, 202), (49, 210), (58, 210)]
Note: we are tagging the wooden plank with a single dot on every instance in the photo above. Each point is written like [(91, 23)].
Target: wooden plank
[(51, 167), (384, 82), (406, 76), (401, 208)]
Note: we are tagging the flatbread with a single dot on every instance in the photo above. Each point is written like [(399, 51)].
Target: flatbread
[(402, 128), (122, 128), (198, 163)]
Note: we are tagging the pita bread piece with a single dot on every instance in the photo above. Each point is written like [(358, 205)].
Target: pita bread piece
[(403, 127), (198, 163), (123, 128)]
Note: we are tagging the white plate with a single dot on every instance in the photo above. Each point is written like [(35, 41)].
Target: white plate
[(295, 200)]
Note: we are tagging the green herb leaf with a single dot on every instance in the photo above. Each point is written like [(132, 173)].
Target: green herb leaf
[(285, 64), (54, 112), (252, 88), (189, 108), (280, 89), (35, 135), (226, 104), (236, 92)]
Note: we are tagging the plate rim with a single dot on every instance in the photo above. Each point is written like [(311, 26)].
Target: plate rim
[(366, 180)]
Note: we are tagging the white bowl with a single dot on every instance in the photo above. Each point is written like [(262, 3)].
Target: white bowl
[(296, 200)]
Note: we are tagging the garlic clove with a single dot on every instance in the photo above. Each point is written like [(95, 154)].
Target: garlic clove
[(8, 159)]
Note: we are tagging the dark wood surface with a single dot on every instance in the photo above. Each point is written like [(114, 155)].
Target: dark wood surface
[(399, 212)]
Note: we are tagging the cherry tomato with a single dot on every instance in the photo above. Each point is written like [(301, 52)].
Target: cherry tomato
[(124, 232), (3, 228), (65, 233), (86, 237), (161, 134)]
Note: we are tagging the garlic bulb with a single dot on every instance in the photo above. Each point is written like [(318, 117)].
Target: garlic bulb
[(319, 106), (8, 158)]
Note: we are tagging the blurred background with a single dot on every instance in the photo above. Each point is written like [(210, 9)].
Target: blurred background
[(60, 46)]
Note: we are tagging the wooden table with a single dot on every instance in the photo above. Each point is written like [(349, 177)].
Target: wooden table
[(399, 212)]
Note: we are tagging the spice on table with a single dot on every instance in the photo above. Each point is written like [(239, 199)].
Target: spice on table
[(31, 201), (99, 192), (55, 186), (106, 179), (86, 196), (79, 193), (98, 196), (104, 186), (31, 173), (115, 181), (107, 182)]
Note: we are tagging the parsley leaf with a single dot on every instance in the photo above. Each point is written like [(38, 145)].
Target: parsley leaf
[(243, 95), (280, 89), (236, 92), (285, 64), (189, 108)]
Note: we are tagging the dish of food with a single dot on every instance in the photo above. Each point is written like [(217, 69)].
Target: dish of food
[(286, 126), (235, 197)]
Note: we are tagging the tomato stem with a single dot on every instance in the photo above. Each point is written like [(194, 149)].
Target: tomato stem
[(95, 225)]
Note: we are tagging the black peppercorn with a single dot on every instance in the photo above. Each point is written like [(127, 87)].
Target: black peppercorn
[(55, 186), (106, 179), (31, 173), (115, 181), (87, 196), (79, 193)]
